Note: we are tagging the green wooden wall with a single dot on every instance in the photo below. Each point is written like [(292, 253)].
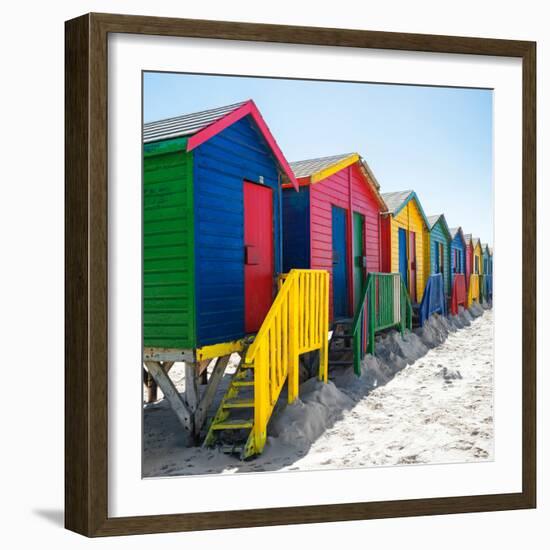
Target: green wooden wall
[(438, 235), (168, 246)]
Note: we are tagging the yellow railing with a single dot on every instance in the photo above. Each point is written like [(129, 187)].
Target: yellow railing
[(296, 323), (473, 290)]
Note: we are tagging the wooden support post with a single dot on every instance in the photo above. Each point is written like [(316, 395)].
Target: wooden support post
[(294, 356), (204, 377), (149, 381), (161, 377), (167, 365), (191, 389), (151, 385), (323, 352), (215, 379)]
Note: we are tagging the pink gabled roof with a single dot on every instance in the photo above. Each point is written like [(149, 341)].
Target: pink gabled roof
[(202, 126)]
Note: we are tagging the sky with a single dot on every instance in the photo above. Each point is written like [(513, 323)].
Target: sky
[(437, 141)]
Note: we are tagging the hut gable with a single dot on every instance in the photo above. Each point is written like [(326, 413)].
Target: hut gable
[(201, 126)]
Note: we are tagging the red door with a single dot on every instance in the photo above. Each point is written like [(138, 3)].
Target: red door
[(258, 254), (412, 267)]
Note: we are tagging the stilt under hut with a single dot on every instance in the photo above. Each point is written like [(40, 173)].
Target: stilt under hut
[(459, 289), (211, 263)]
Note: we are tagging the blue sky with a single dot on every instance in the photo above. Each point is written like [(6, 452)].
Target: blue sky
[(437, 141)]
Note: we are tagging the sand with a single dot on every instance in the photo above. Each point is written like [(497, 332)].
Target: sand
[(425, 398)]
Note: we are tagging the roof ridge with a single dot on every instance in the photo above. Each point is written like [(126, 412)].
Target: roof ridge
[(194, 113), (322, 158)]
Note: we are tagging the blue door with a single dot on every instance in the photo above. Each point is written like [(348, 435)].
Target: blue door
[(403, 261), (339, 263)]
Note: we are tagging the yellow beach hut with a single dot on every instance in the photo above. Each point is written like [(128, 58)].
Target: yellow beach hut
[(406, 241), (477, 264)]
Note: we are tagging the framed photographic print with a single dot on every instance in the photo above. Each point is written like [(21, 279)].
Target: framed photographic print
[(300, 280)]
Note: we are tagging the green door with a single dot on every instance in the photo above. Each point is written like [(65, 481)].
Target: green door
[(359, 259)]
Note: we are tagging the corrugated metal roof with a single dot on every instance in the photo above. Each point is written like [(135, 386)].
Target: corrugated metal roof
[(433, 219), (454, 231), (185, 125), (468, 238), (395, 199), (305, 168)]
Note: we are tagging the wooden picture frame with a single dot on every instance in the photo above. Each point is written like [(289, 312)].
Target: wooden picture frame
[(86, 283)]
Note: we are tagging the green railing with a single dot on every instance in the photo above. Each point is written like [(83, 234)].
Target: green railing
[(385, 303)]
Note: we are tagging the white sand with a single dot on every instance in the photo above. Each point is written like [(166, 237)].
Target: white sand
[(438, 409)]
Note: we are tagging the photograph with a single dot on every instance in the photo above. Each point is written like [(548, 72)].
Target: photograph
[(317, 274)]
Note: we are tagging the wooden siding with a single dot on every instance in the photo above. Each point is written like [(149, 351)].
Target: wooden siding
[(478, 254), (335, 191), (296, 235), (458, 244), (410, 219), (221, 165), (469, 263), (486, 262), (168, 246), (438, 235)]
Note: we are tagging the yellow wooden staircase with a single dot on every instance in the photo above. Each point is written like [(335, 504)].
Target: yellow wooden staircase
[(297, 323)]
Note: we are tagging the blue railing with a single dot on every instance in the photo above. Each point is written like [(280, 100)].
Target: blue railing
[(486, 287), (433, 300)]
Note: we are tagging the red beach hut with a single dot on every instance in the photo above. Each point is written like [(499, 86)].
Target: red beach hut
[(333, 223)]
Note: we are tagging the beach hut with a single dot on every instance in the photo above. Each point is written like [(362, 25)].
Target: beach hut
[(458, 252), (212, 260), (459, 288), (485, 256), (474, 268), (333, 223), (469, 257), (406, 241), (440, 249), (487, 271), (212, 231), (477, 266)]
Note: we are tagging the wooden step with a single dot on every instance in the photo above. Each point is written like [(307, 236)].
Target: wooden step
[(238, 404), (337, 351), (234, 424), (236, 449), (340, 363), (242, 383)]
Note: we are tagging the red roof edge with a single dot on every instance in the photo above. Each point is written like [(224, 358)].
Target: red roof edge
[(248, 108)]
